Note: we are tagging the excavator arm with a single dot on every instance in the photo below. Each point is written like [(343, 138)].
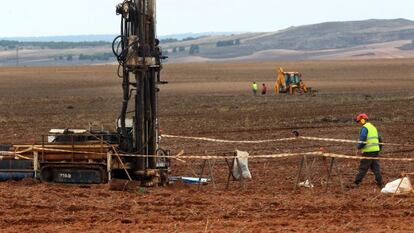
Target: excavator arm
[(280, 81)]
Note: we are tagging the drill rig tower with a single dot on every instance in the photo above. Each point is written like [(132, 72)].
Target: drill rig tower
[(139, 56)]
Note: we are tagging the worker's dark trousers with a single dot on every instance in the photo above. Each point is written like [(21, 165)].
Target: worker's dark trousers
[(367, 164)]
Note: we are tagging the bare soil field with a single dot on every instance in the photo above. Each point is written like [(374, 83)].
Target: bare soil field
[(214, 100)]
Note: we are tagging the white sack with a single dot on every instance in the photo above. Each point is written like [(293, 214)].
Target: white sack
[(405, 186), (242, 157)]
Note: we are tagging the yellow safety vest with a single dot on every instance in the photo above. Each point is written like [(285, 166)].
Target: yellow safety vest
[(372, 142), (254, 86)]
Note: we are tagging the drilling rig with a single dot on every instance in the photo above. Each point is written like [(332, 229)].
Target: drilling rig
[(139, 56), (96, 156)]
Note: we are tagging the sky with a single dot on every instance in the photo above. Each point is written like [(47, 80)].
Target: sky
[(86, 17)]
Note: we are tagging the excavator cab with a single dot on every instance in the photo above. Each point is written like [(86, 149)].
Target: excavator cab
[(296, 78), (292, 78)]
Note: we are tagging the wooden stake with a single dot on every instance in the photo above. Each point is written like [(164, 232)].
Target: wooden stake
[(230, 167), (338, 173), (36, 166), (307, 171), (122, 164), (299, 173), (109, 165), (211, 174), (329, 174), (201, 174)]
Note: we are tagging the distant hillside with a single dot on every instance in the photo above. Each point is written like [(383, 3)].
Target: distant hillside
[(308, 39), (366, 39), (107, 38), (334, 35)]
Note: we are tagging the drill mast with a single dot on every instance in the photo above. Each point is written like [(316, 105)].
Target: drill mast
[(139, 57)]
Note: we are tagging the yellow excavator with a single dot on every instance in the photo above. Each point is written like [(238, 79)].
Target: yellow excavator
[(290, 82)]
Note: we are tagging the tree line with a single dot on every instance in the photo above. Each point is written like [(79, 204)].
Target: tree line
[(83, 57), (193, 49), (171, 40), (224, 43), (11, 44), (97, 57)]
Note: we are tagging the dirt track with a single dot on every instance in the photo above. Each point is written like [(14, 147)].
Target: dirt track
[(214, 100)]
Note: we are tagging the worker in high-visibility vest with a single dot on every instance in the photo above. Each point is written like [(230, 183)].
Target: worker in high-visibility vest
[(369, 146), (254, 88)]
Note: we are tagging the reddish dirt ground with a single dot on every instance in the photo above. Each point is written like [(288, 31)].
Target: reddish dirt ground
[(214, 100)]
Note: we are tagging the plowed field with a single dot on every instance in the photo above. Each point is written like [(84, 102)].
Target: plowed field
[(214, 100)]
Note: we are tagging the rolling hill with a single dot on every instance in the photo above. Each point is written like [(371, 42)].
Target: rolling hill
[(364, 38), (374, 38)]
